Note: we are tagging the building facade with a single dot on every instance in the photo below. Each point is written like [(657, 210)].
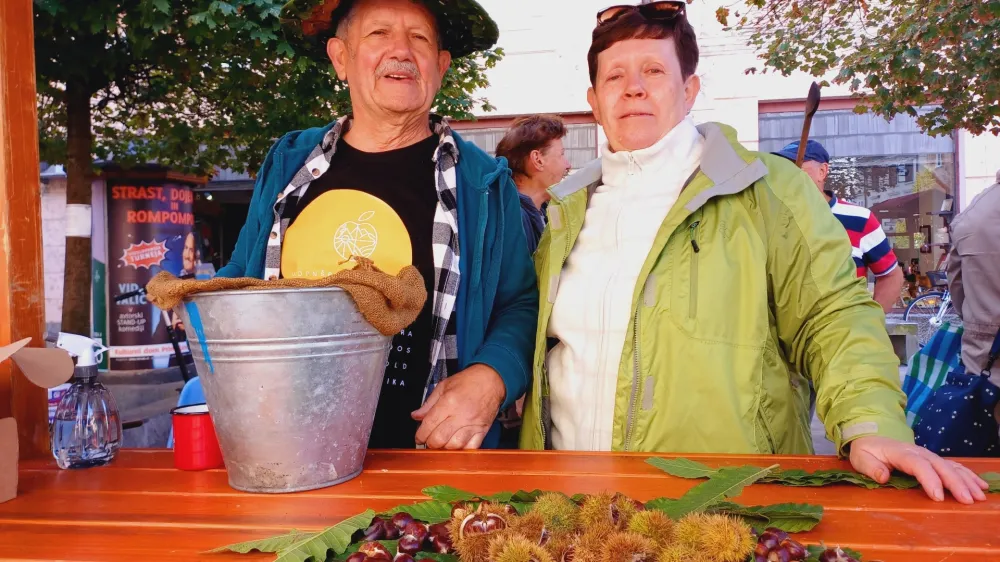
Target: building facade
[(544, 70)]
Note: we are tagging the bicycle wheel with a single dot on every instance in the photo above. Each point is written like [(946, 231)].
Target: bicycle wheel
[(923, 311)]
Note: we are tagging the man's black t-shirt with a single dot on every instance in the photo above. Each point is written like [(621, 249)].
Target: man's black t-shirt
[(381, 206)]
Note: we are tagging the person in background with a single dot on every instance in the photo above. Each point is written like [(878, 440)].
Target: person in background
[(534, 151), (688, 286), (974, 278), (393, 182), (871, 247)]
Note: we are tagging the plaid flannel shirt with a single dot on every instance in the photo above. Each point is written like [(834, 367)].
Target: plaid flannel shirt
[(444, 348)]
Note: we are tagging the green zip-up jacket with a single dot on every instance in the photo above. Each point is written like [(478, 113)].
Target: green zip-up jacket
[(748, 290)]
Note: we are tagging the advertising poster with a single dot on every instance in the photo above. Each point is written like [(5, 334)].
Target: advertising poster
[(150, 229)]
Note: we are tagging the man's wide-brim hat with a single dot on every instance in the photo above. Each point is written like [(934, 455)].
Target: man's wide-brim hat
[(464, 25)]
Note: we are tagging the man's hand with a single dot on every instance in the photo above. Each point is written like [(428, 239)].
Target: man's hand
[(460, 411), (876, 457)]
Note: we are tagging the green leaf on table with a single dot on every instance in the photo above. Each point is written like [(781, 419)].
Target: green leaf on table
[(431, 512), (336, 539), (993, 479), (725, 483), (666, 505), (902, 482), (789, 517), (682, 468), (270, 544), (577, 498), (448, 494)]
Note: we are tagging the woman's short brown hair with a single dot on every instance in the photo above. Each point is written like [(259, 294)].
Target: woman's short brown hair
[(527, 134), (635, 26)]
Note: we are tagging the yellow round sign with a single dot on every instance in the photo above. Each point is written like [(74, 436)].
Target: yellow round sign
[(339, 225)]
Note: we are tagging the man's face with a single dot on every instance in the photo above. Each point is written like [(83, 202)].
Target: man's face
[(188, 255), (817, 171), (552, 163), (639, 94), (390, 58)]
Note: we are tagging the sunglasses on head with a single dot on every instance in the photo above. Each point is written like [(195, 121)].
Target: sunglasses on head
[(664, 10)]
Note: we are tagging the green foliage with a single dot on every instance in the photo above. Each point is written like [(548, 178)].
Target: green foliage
[(308, 546), (789, 517), (901, 55), (723, 484), (431, 512), (270, 544), (195, 84)]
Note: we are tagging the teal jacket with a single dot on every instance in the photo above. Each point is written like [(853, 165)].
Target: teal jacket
[(497, 308)]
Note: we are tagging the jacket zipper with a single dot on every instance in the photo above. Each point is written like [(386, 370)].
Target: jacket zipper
[(635, 380), (544, 381), (693, 297)]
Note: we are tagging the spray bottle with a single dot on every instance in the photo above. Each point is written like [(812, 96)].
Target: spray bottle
[(87, 430)]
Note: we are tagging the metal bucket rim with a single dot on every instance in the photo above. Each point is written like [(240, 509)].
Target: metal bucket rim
[(235, 292)]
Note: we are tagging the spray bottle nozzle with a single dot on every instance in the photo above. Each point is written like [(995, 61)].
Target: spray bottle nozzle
[(82, 347)]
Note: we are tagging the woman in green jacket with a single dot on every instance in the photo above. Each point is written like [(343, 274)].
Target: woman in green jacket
[(690, 288)]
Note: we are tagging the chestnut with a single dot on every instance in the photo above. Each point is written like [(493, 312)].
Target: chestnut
[(409, 545), (391, 531), (782, 535), (795, 550), (544, 538), (401, 520), (357, 557), (779, 555), (835, 555), (417, 530), (375, 550), (460, 509), (509, 509), (769, 541), (376, 531), (439, 538), (481, 523)]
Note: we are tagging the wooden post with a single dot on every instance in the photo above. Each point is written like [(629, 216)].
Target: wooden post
[(22, 298)]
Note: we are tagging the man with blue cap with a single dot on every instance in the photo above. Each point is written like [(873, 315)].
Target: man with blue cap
[(871, 248)]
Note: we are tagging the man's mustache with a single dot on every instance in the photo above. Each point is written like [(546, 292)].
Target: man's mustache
[(393, 66)]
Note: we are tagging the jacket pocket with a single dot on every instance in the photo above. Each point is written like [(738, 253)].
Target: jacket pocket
[(693, 297)]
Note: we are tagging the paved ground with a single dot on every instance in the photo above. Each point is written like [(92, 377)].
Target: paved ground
[(820, 442)]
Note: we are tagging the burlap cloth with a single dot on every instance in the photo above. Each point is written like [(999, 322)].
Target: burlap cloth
[(389, 303)]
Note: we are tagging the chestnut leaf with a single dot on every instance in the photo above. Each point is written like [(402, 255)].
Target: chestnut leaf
[(270, 544), (448, 494), (429, 512), (789, 517), (336, 538), (993, 479), (437, 557), (725, 483), (682, 468)]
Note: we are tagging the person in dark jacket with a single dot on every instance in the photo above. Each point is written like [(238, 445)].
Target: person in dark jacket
[(534, 151), (392, 182)]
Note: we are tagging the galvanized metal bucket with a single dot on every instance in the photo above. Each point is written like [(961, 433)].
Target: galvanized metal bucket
[(292, 378)]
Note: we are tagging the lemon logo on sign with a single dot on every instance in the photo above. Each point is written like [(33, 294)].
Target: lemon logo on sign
[(356, 238), (339, 225)]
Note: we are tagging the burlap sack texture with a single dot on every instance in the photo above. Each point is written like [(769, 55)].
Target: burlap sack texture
[(389, 303)]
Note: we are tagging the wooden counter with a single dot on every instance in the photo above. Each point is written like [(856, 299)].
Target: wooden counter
[(141, 508)]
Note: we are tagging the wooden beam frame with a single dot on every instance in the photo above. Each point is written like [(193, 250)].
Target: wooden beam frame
[(22, 298)]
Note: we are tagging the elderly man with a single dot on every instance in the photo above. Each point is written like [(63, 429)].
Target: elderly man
[(394, 183), (687, 282)]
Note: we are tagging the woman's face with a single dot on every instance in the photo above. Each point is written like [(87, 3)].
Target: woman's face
[(639, 93), (188, 256)]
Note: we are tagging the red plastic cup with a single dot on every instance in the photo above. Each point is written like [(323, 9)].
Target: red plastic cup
[(195, 444)]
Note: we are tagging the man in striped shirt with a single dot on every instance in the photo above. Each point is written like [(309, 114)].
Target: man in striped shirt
[(871, 248)]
